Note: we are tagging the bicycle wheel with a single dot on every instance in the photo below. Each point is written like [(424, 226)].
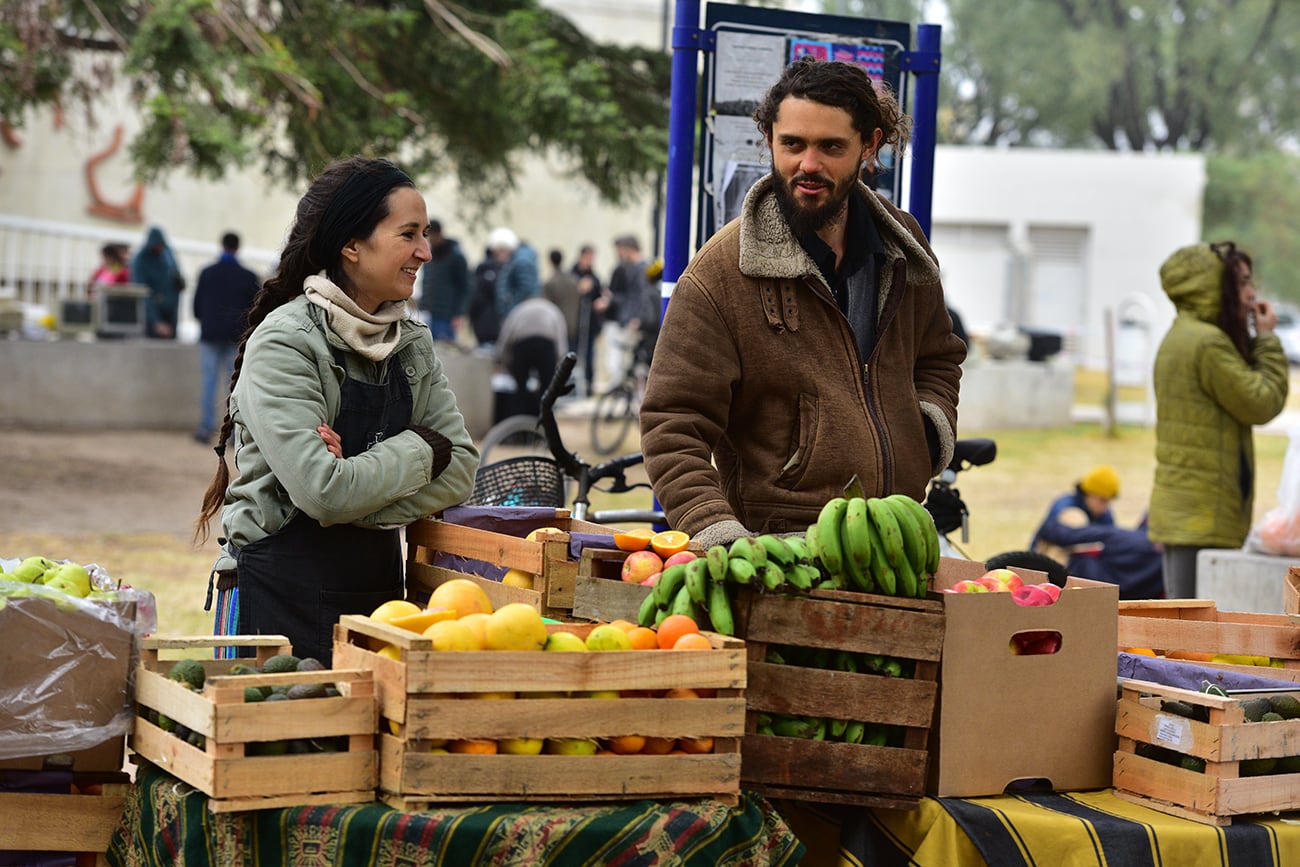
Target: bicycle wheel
[(1056, 573), (613, 418), (515, 436)]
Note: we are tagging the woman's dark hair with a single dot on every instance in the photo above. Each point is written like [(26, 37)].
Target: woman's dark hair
[(840, 85), (1232, 318), (346, 201)]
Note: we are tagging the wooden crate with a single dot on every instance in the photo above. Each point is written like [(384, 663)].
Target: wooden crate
[(547, 558), (78, 821), (600, 593), (232, 778), (830, 772), (1198, 626), (427, 697), (1220, 794)]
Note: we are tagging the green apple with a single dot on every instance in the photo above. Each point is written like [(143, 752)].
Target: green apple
[(70, 578), (520, 746), (31, 570), (571, 746)]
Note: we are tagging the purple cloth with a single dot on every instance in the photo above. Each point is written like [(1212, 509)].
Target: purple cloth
[(1189, 675)]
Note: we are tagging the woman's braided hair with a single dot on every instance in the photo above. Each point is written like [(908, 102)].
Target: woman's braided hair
[(355, 178)]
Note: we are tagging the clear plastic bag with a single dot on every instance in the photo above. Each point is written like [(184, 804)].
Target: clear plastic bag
[(1277, 532)]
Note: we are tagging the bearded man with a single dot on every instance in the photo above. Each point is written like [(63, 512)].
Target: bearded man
[(808, 340)]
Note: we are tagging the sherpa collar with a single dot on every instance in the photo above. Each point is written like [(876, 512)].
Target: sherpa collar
[(768, 249)]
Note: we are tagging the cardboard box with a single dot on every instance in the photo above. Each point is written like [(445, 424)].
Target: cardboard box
[(428, 697), (483, 555), (65, 683), (1154, 744), (1005, 717), (1196, 630), (82, 818)]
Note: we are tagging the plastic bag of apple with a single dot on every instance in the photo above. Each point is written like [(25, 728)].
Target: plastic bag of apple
[(1007, 581), (70, 636)]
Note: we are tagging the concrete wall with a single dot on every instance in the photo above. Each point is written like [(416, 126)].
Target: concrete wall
[(146, 384)]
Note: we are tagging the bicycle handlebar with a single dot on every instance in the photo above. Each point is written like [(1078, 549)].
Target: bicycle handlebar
[(569, 462)]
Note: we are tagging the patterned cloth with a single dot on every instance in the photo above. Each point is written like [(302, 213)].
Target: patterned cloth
[(167, 824), (1079, 829)]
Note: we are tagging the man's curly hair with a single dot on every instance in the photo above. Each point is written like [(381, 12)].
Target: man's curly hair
[(841, 85)]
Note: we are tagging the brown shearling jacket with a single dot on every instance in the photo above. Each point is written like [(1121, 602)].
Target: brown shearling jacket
[(758, 407)]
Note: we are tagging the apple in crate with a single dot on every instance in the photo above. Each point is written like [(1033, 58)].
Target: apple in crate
[(640, 565)]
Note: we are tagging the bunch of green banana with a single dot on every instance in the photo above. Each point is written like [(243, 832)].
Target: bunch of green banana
[(827, 729), (885, 545), (703, 588)]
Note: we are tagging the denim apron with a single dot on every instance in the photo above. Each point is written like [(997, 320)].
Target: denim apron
[(297, 581)]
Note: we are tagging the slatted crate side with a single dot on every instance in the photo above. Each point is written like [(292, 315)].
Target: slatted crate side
[(424, 671), (1220, 793), (547, 558), (40, 822), (825, 771), (857, 622), (600, 593), (1197, 625), (415, 781)]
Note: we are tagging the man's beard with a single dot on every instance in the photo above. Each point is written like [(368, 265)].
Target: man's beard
[(804, 219)]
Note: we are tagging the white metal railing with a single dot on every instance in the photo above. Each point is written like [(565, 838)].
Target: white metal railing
[(43, 262)]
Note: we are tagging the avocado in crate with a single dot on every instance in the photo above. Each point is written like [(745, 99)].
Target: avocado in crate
[(268, 731)]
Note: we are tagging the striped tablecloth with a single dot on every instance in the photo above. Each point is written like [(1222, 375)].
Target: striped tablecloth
[(166, 823)]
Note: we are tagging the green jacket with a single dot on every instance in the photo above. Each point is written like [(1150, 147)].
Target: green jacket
[(759, 408), (1207, 399), (288, 385)]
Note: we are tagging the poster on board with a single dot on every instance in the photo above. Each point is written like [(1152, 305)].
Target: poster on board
[(752, 46)]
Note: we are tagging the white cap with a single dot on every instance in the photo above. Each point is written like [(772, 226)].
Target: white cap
[(502, 238)]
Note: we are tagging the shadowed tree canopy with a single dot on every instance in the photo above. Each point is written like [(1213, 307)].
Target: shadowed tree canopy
[(292, 84)]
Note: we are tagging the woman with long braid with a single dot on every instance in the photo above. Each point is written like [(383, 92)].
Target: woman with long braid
[(343, 424)]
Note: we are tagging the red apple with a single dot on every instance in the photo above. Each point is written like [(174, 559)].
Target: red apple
[(650, 581), (640, 565), (1032, 594), (992, 584), (969, 586), (1036, 642), (1052, 589), (1007, 577), (680, 557)]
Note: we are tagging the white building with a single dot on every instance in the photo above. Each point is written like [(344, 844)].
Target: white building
[(1052, 240)]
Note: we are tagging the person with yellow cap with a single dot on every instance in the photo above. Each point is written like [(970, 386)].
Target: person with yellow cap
[(1080, 532), (1219, 370)]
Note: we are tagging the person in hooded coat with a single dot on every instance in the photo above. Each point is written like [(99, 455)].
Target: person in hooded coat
[(154, 267), (1220, 370)]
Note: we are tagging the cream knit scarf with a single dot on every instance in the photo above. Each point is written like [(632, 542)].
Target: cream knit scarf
[(371, 335)]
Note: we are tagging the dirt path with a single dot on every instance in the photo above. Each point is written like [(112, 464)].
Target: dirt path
[(69, 483)]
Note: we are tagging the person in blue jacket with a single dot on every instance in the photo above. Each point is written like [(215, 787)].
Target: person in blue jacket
[(1080, 531)]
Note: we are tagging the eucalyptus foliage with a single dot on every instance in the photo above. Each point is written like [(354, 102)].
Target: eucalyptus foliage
[(292, 84)]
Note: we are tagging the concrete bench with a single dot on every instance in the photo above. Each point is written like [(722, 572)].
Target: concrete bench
[(1241, 580)]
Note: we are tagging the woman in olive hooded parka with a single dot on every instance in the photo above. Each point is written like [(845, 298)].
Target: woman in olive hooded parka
[(1213, 379)]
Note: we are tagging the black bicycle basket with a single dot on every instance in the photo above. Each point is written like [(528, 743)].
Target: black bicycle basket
[(526, 481)]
